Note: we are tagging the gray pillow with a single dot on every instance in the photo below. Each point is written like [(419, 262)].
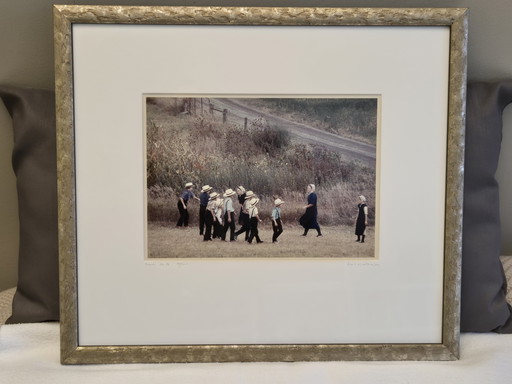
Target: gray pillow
[(483, 298), (34, 163)]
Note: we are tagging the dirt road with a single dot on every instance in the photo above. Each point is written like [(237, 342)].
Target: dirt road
[(363, 152)]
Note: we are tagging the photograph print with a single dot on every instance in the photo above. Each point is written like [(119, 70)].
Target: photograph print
[(262, 177)]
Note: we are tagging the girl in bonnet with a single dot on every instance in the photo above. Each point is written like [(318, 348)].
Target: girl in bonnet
[(362, 219)]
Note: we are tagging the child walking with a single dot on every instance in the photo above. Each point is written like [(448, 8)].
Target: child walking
[(362, 219), (210, 218), (229, 215), (254, 220), (244, 214), (204, 197), (277, 226)]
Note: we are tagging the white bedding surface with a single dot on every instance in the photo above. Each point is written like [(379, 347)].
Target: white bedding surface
[(29, 353)]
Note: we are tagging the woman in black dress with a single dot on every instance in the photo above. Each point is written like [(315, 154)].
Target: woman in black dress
[(240, 191), (362, 219), (309, 219)]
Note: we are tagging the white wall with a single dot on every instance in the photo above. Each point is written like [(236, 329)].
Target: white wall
[(26, 51)]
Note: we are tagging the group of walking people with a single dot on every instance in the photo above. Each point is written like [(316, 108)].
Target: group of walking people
[(217, 214)]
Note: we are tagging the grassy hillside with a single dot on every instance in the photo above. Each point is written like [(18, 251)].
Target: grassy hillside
[(355, 117), (185, 145)]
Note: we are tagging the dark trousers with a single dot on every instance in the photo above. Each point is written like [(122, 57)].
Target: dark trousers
[(202, 213), (217, 229), (278, 229), (208, 223), (183, 220), (254, 231), (246, 226), (228, 225)]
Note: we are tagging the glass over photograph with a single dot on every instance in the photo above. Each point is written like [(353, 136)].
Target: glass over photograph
[(261, 177)]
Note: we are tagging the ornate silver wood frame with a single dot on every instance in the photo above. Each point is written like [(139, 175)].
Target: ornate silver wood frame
[(66, 16)]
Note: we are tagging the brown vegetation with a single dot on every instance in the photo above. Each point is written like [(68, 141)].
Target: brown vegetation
[(356, 118), (183, 146)]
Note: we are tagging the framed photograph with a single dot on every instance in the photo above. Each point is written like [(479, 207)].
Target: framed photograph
[(259, 184), (262, 150)]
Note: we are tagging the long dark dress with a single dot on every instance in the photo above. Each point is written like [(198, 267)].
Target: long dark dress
[(360, 221), (241, 200), (309, 219)]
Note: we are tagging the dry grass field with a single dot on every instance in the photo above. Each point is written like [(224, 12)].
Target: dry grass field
[(337, 241)]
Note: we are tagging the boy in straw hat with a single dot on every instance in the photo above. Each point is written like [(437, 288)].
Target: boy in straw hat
[(254, 220), (209, 217), (244, 215), (277, 226), (203, 202), (186, 195), (229, 215)]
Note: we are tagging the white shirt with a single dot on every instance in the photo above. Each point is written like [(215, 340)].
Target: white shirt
[(228, 205), (253, 212)]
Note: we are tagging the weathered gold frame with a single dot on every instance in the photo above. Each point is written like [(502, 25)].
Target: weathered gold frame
[(66, 16)]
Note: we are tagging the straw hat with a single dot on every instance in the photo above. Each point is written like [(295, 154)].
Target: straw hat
[(229, 192), (206, 188), (214, 195), (254, 201), (188, 185), (278, 202), (249, 194)]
